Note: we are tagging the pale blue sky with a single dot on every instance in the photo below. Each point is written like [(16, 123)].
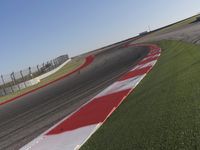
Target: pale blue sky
[(33, 31)]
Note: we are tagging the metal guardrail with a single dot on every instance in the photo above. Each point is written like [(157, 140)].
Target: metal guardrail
[(16, 81)]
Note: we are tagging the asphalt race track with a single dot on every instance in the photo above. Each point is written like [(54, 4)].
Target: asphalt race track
[(188, 33), (25, 118)]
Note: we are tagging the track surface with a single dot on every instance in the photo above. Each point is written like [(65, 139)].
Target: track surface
[(189, 33), (24, 119)]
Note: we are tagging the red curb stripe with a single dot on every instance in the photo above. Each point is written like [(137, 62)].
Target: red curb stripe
[(99, 108), (93, 113), (147, 61), (87, 62), (135, 73)]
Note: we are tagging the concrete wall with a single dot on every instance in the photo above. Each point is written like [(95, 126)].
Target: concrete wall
[(53, 71), (31, 82)]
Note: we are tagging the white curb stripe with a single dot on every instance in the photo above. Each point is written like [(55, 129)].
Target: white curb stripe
[(74, 139)]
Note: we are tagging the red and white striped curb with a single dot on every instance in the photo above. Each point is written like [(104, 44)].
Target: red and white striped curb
[(73, 131)]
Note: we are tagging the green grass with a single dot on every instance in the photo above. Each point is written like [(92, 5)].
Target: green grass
[(66, 69), (174, 26), (163, 113), (181, 24)]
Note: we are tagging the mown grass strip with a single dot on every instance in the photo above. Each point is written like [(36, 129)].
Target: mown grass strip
[(164, 110)]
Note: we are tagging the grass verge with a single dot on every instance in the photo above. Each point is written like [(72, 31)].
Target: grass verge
[(177, 25), (73, 64), (164, 110), (172, 27)]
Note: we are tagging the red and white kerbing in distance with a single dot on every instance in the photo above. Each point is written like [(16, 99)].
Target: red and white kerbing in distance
[(88, 60), (74, 130)]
